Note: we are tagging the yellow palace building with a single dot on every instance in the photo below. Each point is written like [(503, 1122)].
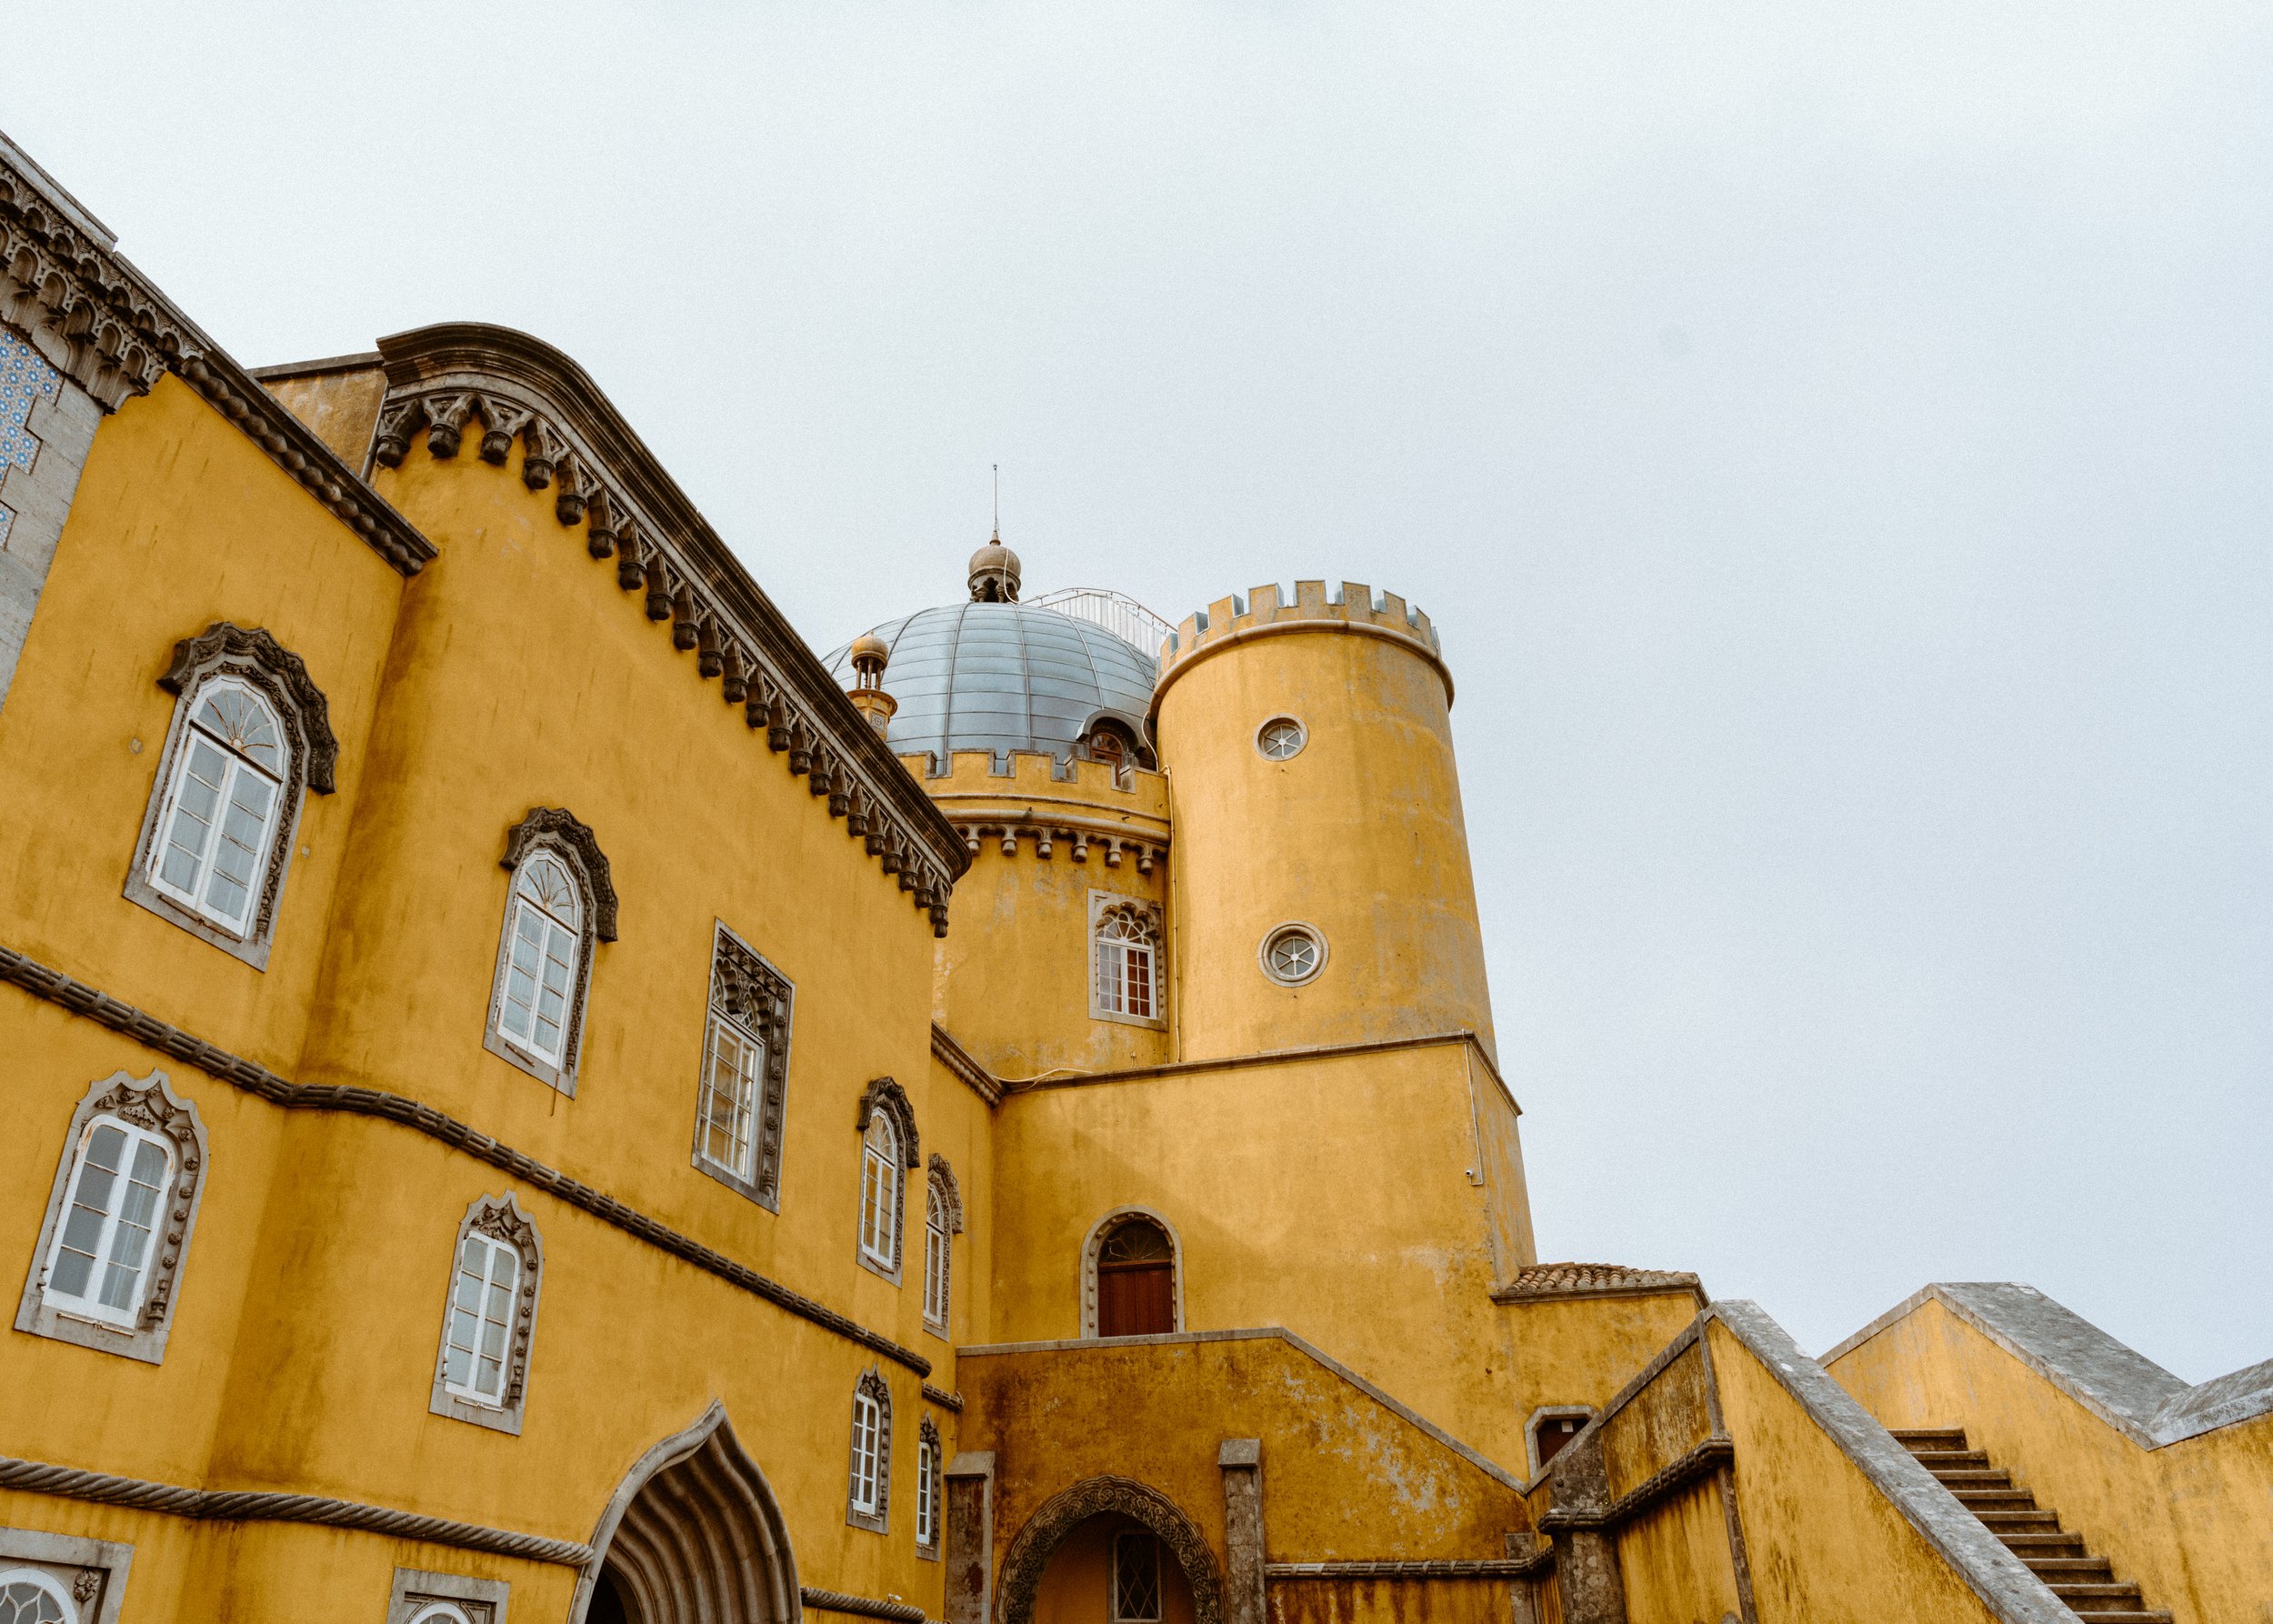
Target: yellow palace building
[(530, 1095)]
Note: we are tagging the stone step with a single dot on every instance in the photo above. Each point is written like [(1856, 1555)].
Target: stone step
[(1940, 1460), (2027, 1543), (2059, 1570), (2104, 1595), (2124, 1615), (2001, 1523), (1971, 1476), (1977, 1500), (1931, 1437)]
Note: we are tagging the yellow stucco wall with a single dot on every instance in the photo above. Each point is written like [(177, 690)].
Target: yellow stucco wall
[(1360, 835), (2191, 1522), (1391, 1275)]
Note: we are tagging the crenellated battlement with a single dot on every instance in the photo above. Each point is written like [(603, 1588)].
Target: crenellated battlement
[(1072, 806), (1264, 610)]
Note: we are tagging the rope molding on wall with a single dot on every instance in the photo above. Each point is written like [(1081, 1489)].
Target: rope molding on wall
[(1446, 1567), (221, 1505), (837, 1601), (80, 998)]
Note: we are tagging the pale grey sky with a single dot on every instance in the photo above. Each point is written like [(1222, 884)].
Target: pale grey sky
[(1832, 440)]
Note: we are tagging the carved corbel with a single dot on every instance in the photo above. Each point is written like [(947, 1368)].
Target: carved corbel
[(397, 423), (540, 454), (599, 540), (778, 733), (1144, 859), (800, 746), (1112, 851), (839, 792), (1041, 842), (659, 587), (857, 812), (501, 421), (575, 490), (816, 780), (1080, 844), (632, 554), (687, 631), (1009, 840), (734, 672), (446, 419)]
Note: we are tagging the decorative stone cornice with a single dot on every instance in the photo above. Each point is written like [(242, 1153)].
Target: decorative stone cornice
[(963, 1066), (103, 324), (464, 378), (309, 714)]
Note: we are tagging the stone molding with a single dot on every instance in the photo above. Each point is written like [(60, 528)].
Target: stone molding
[(449, 379), (560, 830), (105, 326), (964, 1069), (80, 998), (943, 1398), (94, 1571), (1269, 1057), (884, 1094), (1078, 835), (148, 1103), (1446, 1567), (484, 1601), (949, 1193), (1029, 1553), (2123, 1388), (1230, 621), (223, 1505), (861, 1606)]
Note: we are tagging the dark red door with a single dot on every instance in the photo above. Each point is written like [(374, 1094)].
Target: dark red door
[(1135, 1300)]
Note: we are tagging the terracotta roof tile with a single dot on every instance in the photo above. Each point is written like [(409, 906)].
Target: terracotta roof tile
[(1543, 1282)]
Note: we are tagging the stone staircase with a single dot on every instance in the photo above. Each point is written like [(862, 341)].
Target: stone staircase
[(2084, 1582)]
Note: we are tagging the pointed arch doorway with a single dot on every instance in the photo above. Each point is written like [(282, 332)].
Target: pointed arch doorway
[(693, 1535)]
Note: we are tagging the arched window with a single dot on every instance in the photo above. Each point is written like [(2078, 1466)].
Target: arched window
[(943, 1220), (746, 1067), (249, 734), (560, 904), (119, 1219), (1125, 959), (489, 1316), (1136, 1577), (888, 1150), (1132, 1289), (880, 1193), (869, 1496), (927, 1489), (27, 1596)]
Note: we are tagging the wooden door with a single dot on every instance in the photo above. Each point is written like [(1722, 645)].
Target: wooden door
[(1135, 1300)]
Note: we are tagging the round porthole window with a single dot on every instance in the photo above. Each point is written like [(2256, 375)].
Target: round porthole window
[(1292, 953), (1281, 738)]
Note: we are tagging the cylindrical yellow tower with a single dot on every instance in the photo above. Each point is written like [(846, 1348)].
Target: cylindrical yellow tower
[(1321, 889)]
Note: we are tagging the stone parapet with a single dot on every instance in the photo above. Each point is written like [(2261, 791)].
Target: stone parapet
[(1265, 611), (1074, 807)]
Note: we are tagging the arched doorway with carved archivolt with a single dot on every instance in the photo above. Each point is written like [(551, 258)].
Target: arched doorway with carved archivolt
[(1109, 1551), (693, 1535)]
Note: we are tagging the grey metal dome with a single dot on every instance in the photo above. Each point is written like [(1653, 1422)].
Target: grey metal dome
[(1004, 677)]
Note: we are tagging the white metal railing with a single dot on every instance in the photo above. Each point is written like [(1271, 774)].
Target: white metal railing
[(1117, 612)]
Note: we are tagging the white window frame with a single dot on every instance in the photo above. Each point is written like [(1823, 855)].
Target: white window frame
[(89, 1574), (487, 1268), (882, 1184), (102, 1249), (868, 1489), (743, 1105), (47, 1584), (237, 767), (928, 1487), (1108, 998), (938, 1259), (146, 1111), (495, 1222), (555, 1064)]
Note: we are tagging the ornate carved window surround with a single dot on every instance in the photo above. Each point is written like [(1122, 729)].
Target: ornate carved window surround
[(101, 324), (884, 1094), (91, 1003), (1116, 919), (558, 834), (930, 1466), (503, 1220), (148, 1103), (868, 1488), (754, 1000), (444, 379), (943, 1215), (1093, 1244), (91, 1572), (419, 1596), (1046, 1530), (230, 653)]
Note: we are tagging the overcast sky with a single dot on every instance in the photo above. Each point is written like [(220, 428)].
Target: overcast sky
[(1833, 441)]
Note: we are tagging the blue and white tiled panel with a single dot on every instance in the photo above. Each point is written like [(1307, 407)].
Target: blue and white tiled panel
[(25, 377)]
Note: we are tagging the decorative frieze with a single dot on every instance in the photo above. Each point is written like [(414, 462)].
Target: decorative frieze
[(1077, 841), (489, 388), (93, 316)]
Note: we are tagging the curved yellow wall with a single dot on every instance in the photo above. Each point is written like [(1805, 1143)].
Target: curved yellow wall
[(1360, 835)]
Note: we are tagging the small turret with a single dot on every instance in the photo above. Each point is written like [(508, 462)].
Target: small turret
[(870, 655)]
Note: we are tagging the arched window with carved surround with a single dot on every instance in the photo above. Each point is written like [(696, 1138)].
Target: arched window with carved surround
[(490, 1316), (869, 1494), (889, 1152), (943, 1221), (1124, 979), (251, 732), (108, 1264), (560, 905)]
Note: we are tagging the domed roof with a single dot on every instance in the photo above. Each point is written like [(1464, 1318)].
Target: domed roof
[(1004, 677)]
